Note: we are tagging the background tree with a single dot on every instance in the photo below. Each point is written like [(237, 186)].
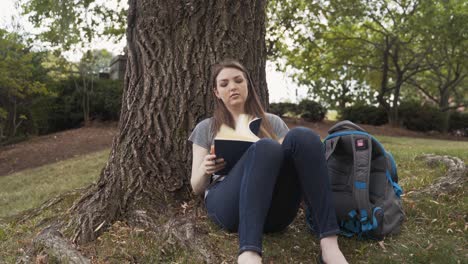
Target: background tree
[(22, 78), (67, 23), (91, 64), (444, 28), (71, 25), (374, 39)]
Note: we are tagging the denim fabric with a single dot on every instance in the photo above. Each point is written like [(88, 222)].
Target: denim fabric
[(263, 191)]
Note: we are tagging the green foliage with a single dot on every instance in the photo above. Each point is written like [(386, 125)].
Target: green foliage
[(312, 111), (66, 23), (415, 116), (106, 101), (91, 64), (283, 108), (23, 79), (65, 111), (95, 61), (365, 114), (445, 37), (3, 113), (459, 121), (307, 109), (351, 51), (42, 93)]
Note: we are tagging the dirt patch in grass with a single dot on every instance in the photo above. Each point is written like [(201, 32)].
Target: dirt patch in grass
[(55, 147), (63, 145)]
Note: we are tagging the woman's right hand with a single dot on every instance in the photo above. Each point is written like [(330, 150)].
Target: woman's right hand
[(211, 164)]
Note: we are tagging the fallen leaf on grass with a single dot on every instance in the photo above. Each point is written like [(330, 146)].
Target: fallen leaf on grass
[(215, 235), (382, 245), (99, 227), (184, 205)]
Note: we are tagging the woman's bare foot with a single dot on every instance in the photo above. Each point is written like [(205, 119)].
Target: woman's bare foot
[(249, 257), (331, 253)]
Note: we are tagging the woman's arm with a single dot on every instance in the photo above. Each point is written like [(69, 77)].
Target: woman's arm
[(203, 165)]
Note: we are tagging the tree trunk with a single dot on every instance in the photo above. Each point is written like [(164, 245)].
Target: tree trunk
[(85, 100), (344, 96), (393, 117), (171, 46), (384, 81), (444, 108)]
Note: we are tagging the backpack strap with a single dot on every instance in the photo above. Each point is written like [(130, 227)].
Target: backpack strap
[(362, 152), (392, 175), (391, 170), (330, 146)]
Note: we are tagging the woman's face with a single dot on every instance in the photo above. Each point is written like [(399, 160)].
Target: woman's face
[(231, 87)]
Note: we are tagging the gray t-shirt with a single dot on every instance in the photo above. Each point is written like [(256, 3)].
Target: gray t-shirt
[(202, 136)]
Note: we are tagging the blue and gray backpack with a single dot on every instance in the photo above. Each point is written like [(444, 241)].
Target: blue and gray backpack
[(364, 182)]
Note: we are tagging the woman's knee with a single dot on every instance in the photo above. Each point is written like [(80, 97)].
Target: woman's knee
[(304, 135), (267, 142), (269, 147)]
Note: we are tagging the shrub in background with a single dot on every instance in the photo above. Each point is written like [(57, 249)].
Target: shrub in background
[(415, 116), (65, 110), (459, 121), (280, 109), (106, 100), (312, 111), (365, 114)]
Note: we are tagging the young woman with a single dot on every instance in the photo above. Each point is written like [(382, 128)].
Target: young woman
[(263, 190)]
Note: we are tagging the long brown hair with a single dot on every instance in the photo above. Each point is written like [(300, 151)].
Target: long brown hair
[(252, 104)]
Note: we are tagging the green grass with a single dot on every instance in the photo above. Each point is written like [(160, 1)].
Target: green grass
[(332, 115), (29, 188), (434, 231), (413, 172)]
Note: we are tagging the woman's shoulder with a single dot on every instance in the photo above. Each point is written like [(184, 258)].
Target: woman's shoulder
[(201, 133), (272, 117), (205, 122)]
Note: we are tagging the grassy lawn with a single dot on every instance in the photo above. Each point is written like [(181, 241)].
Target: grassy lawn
[(332, 115), (434, 232), (29, 188)]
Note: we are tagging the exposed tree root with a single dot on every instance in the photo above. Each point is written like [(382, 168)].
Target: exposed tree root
[(93, 213), (178, 229), (186, 233), (50, 244), (174, 226), (455, 178)]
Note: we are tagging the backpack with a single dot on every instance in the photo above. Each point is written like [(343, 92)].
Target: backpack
[(364, 182)]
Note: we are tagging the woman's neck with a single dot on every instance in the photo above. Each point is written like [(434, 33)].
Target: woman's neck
[(236, 112)]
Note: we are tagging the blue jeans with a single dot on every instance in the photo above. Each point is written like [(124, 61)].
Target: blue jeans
[(263, 191)]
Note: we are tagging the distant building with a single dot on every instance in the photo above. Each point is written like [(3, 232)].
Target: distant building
[(117, 67), (104, 75)]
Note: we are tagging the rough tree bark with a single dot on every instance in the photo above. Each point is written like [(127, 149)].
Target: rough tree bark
[(171, 45)]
